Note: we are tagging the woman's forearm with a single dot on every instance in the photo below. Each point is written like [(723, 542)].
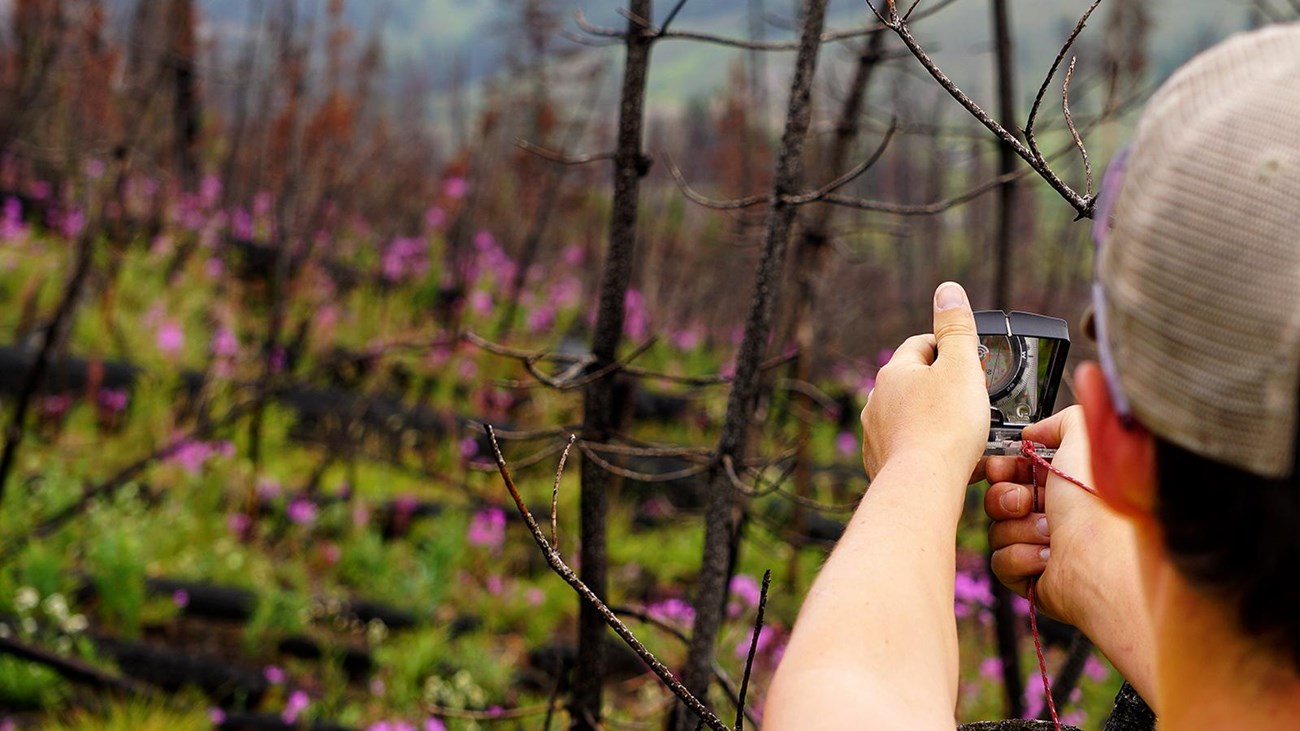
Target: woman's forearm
[(880, 614)]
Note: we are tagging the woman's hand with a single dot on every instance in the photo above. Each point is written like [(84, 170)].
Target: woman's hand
[(930, 402)]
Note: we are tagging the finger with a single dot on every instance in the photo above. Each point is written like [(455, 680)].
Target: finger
[(919, 349), (1031, 529), (1052, 430), (1008, 500), (1008, 469), (1019, 562), (954, 325)]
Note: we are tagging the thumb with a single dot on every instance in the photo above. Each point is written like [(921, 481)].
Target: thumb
[(954, 325)]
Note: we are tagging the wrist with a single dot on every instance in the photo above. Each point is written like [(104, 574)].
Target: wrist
[(924, 480)]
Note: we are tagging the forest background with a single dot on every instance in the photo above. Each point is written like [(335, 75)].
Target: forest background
[(271, 269)]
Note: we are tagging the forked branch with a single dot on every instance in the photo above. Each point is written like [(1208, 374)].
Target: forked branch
[(897, 23), (557, 564)]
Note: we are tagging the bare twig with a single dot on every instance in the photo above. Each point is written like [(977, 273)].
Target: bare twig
[(672, 15), (753, 647), (767, 365), (53, 333), (593, 29), (625, 473), (1069, 122), (555, 489), (830, 36), (557, 564), (1047, 81), (560, 157), (1081, 203), (812, 196), (719, 674), (529, 461), (536, 356), (719, 205), (850, 176)]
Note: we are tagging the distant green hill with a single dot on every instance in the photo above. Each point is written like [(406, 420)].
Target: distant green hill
[(432, 34)]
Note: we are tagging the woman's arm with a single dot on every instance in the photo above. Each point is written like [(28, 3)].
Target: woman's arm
[(875, 645)]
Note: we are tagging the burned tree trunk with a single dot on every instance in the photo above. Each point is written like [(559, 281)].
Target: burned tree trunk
[(1004, 615), (181, 61), (721, 511), (810, 258), (599, 408)]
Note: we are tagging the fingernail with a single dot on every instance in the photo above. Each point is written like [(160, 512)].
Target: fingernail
[(1041, 525), (1012, 500), (1045, 553), (948, 296)]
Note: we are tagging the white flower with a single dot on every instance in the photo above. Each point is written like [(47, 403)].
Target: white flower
[(26, 599)]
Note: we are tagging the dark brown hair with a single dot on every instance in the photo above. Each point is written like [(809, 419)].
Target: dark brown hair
[(1236, 536)]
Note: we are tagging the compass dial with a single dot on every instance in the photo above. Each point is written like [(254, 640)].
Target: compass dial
[(1003, 359)]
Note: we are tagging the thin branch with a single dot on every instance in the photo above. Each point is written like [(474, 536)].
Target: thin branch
[(767, 365), (753, 647), (593, 29), (728, 685), (1069, 122), (479, 341), (1047, 80), (817, 395), (830, 36), (529, 461), (848, 177), (557, 564), (54, 331), (672, 15), (560, 157), (74, 670), (1082, 204), (696, 453), (555, 489), (718, 205), (625, 473), (567, 383)]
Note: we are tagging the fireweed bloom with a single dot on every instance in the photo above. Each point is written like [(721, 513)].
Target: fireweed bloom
[(302, 512), (293, 708), (488, 529), (672, 610)]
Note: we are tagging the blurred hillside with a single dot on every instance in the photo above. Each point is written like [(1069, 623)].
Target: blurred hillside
[(435, 37)]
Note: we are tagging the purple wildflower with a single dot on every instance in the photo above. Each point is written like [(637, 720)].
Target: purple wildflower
[(302, 512), (225, 344), (181, 598), (170, 338), (673, 610), (114, 400), (217, 716), (239, 524), (480, 302), (488, 529), (293, 708), (636, 323), (468, 448), (455, 188), (1095, 669), (435, 218), (433, 724), (991, 668), (274, 674), (846, 443), (746, 589), (574, 255)]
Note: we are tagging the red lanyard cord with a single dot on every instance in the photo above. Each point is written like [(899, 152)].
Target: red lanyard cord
[(1036, 460)]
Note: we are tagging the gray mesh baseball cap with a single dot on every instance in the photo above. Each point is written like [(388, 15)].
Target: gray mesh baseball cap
[(1200, 274)]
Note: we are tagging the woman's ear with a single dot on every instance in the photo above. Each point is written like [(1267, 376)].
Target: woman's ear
[(1123, 455)]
